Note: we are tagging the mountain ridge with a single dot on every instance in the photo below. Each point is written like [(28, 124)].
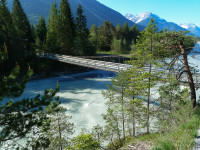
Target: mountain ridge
[(95, 12), (144, 18), (194, 29)]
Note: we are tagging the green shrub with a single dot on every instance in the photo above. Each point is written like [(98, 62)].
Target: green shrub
[(165, 145)]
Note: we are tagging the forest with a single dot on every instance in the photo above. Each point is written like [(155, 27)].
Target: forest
[(169, 121)]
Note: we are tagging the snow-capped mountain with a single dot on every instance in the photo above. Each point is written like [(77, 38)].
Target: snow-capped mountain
[(192, 28), (139, 19), (144, 18)]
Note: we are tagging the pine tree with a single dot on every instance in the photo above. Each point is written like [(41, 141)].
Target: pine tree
[(82, 32), (8, 35), (178, 43), (117, 104), (148, 48), (117, 45), (106, 36), (21, 22), (60, 129), (126, 32), (66, 28), (18, 118), (52, 32), (119, 32), (134, 33), (41, 29), (93, 37)]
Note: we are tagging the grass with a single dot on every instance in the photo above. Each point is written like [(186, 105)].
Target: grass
[(180, 137), (112, 53)]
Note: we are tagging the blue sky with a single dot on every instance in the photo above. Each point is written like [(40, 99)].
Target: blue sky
[(178, 11)]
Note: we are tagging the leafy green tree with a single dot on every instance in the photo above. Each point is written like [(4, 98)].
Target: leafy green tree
[(21, 22), (83, 142), (66, 28)]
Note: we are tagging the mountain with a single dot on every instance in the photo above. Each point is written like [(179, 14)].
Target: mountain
[(192, 28), (95, 12), (144, 18)]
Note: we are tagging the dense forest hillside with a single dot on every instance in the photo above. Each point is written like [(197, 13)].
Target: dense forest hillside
[(92, 8)]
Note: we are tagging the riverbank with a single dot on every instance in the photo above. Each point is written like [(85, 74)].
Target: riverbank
[(182, 136), (46, 68)]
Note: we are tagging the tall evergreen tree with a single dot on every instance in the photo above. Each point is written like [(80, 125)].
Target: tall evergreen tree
[(105, 36), (93, 37), (21, 22), (66, 28), (41, 29), (83, 32), (119, 32), (52, 32), (18, 118), (126, 32), (134, 33), (149, 48), (9, 36)]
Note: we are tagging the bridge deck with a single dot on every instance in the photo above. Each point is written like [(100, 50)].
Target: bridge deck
[(96, 64)]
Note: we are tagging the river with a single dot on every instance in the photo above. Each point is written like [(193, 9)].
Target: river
[(81, 94)]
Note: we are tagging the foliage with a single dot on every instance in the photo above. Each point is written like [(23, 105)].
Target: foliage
[(52, 32), (66, 28), (148, 52), (60, 128), (83, 142), (8, 36), (21, 22), (82, 34), (19, 118), (41, 32)]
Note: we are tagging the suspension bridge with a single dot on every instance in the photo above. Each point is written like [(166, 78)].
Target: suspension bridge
[(103, 63), (87, 61)]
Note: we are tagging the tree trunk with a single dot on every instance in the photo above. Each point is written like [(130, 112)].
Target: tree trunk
[(133, 114), (123, 118), (189, 75), (148, 98), (149, 88), (60, 132)]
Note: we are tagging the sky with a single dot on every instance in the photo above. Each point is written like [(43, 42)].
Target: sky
[(178, 11)]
